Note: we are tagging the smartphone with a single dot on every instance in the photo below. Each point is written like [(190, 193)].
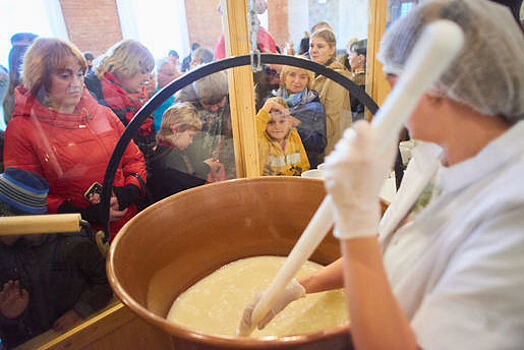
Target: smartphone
[(94, 188)]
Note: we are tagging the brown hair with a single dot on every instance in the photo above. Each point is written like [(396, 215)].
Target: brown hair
[(126, 58), (183, 116), (328, 36), (287, 69), (45, 56)]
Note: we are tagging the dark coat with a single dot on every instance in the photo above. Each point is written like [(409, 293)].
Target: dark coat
[(186, 63), (171, 173), (61, 272), (304, 46)]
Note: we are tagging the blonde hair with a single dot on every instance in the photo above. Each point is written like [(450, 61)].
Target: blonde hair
[(278, 100), (328, 36), (287, 69), (182, 116), (45, 56), (126, 59)]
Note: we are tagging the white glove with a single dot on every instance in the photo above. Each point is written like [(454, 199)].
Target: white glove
[(293, 291), (353, 175)]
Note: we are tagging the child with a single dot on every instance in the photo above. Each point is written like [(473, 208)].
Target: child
[(46, 281), (171, 169), (279, 146)]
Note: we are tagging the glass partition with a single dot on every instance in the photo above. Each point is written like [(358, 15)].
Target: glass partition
[(63, 124)]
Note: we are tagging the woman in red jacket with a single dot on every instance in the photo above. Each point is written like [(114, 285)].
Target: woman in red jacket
[(60, 132)]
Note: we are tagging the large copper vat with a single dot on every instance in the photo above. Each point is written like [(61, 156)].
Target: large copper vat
[(181, 239)]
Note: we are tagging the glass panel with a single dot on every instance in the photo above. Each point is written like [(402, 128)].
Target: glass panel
[(66, 134), (398, 8)]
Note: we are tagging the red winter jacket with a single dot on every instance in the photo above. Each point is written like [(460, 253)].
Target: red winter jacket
[(125, 104), (71, 151), (265, 41)]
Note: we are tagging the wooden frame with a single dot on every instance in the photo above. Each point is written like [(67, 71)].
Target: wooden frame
[(376, 84), (116, 327), (241, 89)]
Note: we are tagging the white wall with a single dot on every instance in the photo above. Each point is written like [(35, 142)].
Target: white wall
[(350, 20), (159, 31), (353, 21), (298, 20)]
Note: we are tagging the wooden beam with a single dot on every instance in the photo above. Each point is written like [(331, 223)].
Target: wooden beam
[(376, 84), (114, 328), (241, 91)]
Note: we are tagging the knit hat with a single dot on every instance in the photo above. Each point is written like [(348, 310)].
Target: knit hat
[(23, 191)]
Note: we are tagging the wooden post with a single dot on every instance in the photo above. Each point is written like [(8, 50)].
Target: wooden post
[(241, 91), (376, 84)]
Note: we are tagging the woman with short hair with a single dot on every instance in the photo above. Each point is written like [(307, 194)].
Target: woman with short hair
[(334, 97), (60, 132)]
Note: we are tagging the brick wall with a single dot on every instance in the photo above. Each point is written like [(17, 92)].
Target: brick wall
[(92, 24), (277, 21), (204, 22)]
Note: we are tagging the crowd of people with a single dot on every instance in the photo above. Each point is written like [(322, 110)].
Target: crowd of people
[(66, 110)]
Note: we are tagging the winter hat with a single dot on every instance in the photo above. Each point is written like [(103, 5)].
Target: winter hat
[(23, 191)]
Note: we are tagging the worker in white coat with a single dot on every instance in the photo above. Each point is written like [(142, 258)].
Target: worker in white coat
[(450, 276)]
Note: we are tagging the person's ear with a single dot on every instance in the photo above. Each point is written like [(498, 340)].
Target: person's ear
[(435, 98)]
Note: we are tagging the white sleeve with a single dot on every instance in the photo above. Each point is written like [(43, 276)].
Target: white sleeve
[(479, 301)]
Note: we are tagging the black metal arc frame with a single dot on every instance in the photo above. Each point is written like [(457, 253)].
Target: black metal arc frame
[(178, 84)]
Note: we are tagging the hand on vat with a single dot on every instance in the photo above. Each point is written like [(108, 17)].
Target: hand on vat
[(293, 291), (13, 299), (353, 175)]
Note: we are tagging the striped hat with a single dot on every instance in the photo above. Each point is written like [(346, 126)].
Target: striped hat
[(25, 192)]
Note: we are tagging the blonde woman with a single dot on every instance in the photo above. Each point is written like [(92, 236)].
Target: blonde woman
[(171, 169), (304, 104), (60, 132), (120, 82), (333, 96)]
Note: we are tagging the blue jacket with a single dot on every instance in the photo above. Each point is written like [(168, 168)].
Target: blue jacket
[(312, 128)]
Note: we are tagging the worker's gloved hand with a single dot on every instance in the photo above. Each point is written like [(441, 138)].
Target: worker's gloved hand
[(353, 176), (293, 291)]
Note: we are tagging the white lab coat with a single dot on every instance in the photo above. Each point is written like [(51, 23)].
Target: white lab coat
[(457, 270)]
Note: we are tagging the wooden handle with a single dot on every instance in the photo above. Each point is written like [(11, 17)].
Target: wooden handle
[(38, 224)]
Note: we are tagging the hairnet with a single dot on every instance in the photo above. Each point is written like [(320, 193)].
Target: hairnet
[(488, 74)]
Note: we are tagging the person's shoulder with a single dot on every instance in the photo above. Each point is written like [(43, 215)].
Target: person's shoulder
[(75, 245), (340, 68), (20, 122)]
